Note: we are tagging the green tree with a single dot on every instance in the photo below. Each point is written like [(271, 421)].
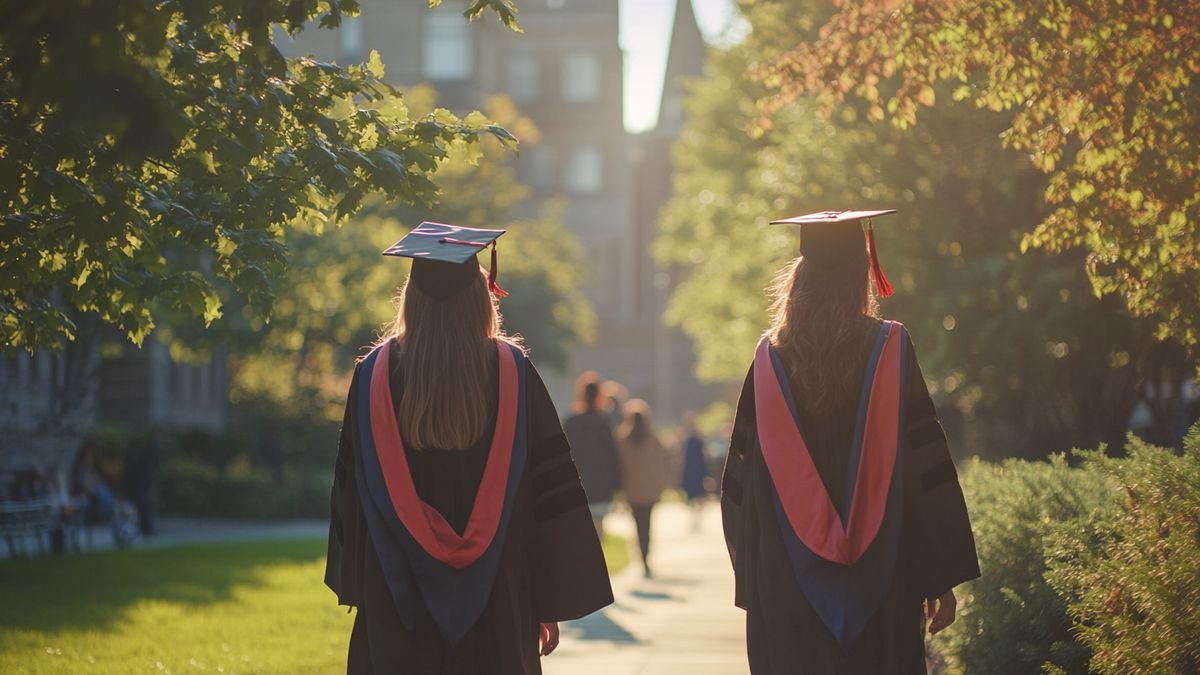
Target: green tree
[(1101, 95), (1131, 580), (1017, 342), (154, 150), (336, 293), (1010, 620)]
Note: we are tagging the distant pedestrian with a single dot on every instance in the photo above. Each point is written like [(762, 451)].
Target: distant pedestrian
[(614, 395), (644, 468), (89, 482), (140, 481), (842, 508), (592, 445), (694, 476)]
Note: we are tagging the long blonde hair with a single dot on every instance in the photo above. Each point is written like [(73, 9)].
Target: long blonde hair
[(821, 317), (445, 349)]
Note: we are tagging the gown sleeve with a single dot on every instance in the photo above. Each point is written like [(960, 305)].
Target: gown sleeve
[(347, 527), (735, 508), (938, 540), (570, 575)]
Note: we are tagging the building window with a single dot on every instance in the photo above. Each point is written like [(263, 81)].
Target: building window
[(524, 77), (447, 53), (183, 386), (538, 167), (585, 170), (350, 39), (580, 78)]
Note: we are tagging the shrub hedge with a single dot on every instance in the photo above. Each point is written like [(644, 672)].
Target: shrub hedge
[(1132, 582), (1010, 620), (1094, 568), (259, 469), (190, 487)]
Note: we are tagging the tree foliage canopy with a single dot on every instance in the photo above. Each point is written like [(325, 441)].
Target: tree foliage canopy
[(1015, 341), (154, 152), (1101, 95), (337, 292)]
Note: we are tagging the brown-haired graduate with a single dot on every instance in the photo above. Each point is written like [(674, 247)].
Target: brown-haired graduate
[(842, 509), (459, 528)]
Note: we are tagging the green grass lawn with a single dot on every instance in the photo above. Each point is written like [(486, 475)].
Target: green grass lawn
[(219, 608)]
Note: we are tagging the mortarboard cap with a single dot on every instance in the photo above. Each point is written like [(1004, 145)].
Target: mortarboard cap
[(444, 257), (823, 237)]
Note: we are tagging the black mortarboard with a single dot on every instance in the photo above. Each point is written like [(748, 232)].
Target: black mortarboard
[(444, 257), (823, 237)]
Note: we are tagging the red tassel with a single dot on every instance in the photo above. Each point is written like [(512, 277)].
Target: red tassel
[(881, 283), (492, 285)]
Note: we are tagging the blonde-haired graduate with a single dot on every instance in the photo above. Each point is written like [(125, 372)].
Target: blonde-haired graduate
[(842, 508), (459, 529)]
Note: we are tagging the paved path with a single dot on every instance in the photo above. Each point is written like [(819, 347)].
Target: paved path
[(681, 621), (177, 530), (182, 530)]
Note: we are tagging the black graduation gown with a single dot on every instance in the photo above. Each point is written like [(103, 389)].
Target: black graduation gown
[(551, 566), (784, 635)]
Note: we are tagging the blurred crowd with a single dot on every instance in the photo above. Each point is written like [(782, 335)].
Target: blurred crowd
[(55, 508), (623, 458)]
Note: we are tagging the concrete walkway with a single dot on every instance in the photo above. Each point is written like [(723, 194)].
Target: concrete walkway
[(681, 621), (182, 530), (179, 530)]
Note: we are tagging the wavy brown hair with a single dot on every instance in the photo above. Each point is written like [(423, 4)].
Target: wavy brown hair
[(822, 316), (445, 363)]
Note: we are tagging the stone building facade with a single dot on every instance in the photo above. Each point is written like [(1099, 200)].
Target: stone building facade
[(50, 401)]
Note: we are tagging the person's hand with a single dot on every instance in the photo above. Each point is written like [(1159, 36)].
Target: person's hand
[(549, 638), (941, 611)]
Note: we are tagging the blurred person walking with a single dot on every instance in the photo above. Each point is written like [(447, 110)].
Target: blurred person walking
[(613, 395), (140, 479), (459, 527), (593, 447), (695, 468), (644, 470), (842, 509), (89, 482)]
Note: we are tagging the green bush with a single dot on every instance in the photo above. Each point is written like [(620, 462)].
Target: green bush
[(260, 468), (1133, 581), (189, 487), (1010, 620)]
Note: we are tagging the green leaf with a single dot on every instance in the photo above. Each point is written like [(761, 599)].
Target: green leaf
[(375, 65)]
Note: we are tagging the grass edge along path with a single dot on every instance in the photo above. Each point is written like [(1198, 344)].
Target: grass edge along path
[(245, 607)]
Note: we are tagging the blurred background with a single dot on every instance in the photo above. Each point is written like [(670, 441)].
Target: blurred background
[(164, 378), (637, 200)]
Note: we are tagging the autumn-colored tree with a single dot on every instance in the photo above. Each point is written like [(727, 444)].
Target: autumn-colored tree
[(1020, 355), (1101, 95)]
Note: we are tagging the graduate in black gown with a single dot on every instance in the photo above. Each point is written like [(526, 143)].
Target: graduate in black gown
[(459, 528), (842, 509)]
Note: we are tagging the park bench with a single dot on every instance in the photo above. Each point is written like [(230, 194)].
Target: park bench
[(23, 520)]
